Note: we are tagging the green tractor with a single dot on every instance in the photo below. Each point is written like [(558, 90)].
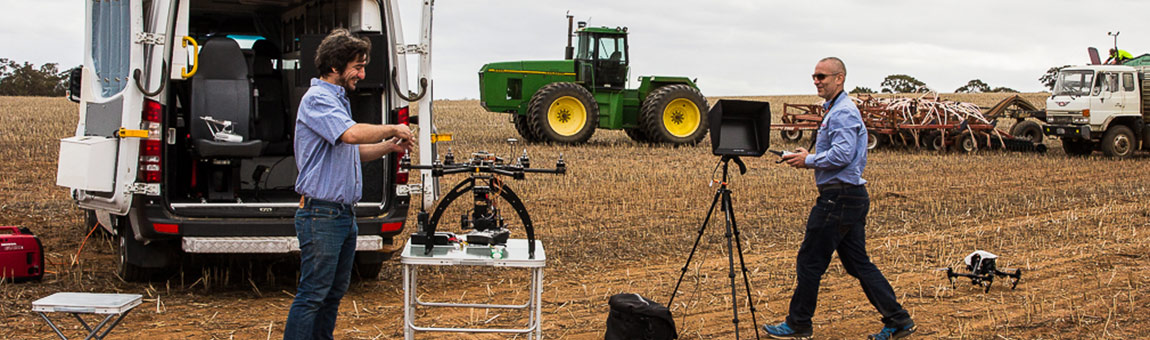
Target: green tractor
[(564, 101)]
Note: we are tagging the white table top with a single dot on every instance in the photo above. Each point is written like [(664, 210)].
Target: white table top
[(97, 303), (514, 255)]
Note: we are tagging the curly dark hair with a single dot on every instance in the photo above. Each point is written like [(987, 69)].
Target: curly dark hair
[(339, 48)]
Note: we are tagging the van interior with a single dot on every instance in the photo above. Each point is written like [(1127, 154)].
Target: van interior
[(255, 62)]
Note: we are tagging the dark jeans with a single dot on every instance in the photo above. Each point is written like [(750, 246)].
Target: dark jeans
[(326, 232), (838, 223)]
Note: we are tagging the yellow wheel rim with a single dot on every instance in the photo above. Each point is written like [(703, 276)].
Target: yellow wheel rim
[(681, 117), (567, 116)]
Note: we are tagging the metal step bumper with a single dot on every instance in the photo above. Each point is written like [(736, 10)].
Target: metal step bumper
[(263, 245)]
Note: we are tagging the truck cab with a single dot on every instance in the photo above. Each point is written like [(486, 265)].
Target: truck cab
[(186, 123), (1099, 107)]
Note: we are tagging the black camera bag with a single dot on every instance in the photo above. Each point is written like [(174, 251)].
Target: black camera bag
[(633, 317)]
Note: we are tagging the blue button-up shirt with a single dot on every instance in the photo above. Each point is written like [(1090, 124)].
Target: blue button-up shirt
[(841, 146), (329, 169)]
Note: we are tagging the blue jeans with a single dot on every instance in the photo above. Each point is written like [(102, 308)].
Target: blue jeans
[(326, 232), (838, 223)]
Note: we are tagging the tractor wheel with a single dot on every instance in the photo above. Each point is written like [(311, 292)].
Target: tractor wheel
[(563, 113), (792, 135), (967, 143), (1119, 142), (524, 129), (1029, 130), (1077, 147), (637, 135), (674, 114), (933, 141)]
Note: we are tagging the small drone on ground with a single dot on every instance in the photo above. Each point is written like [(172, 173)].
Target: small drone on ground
[(981, 265)]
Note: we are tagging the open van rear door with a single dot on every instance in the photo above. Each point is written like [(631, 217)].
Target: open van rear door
[(101, 162)]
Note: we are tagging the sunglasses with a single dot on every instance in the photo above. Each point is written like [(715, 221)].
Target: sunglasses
[(821, 76)]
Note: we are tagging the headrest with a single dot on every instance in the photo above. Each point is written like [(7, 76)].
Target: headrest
[(221, 58), (263, 52)]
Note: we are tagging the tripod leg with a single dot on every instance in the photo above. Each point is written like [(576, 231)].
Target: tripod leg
[(694, 248), (731, 260), (742, 263)]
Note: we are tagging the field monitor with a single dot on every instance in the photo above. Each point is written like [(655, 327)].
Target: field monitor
[(740, 127)]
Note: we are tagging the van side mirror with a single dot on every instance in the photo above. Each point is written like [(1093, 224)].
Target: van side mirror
[(74, 77)]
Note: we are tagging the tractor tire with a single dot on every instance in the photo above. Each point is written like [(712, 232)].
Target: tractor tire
[(792, 135), (1077, 147), (967, 143), (637, 135), (563, 113), (524, 129), (675, 114), (1029, 130), (934, 141), (1119, 142)]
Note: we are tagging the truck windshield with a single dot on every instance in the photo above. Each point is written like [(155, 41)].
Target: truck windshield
[(1074, 83)]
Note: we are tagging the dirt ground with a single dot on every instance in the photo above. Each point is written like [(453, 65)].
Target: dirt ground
[(623, 220)]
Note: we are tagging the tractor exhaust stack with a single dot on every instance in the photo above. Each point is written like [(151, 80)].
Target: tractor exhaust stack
[(570, 52)]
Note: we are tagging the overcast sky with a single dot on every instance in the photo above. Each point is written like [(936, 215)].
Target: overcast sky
[(733, 47)]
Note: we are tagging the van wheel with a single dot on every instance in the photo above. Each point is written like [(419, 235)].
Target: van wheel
[(141, 262), (1118, 142), (369, 263)]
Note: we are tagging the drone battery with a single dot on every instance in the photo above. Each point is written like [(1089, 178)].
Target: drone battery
[(21, 254), (488, 237), (441, 238)]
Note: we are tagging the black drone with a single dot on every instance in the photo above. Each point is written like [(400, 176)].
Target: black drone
[(486, 225), (983, 270)]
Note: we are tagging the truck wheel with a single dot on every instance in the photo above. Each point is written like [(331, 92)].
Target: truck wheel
[(967, 143), (637, 135), (1029, 130), (1118, 142), (524, 129), (563, 113), (792, 135), (674, 114), (141, 262), (1077, 147)]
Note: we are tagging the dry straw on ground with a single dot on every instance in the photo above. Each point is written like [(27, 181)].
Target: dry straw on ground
[(623, 219)]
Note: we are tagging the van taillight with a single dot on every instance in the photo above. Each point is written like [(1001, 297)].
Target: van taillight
[(151, 148), (400, 173)]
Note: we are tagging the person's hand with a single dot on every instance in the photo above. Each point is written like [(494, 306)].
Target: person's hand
[(402, 132), (396, 145), (798, 159)]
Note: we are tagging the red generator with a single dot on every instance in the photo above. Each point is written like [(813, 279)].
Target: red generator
[(21, 254)]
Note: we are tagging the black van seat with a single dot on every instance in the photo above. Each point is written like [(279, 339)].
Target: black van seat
[(221, 90), (271, 114)]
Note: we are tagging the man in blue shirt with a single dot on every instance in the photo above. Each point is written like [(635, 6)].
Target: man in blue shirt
[(838, 220), (328, 148)]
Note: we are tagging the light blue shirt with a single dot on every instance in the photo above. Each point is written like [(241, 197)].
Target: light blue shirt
[(329, 169), (841, 146)]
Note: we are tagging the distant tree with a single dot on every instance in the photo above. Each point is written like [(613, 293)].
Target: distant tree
[(901, 83), (1003, 89), (27, 80), (973, 86), (860, 89), (1049, 78)]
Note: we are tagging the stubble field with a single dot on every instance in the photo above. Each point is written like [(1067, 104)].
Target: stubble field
[(623, 220)]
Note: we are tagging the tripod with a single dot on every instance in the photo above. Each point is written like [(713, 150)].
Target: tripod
[(732, 230)]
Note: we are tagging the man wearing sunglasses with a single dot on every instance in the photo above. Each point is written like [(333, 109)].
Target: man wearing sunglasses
[(838, 220)]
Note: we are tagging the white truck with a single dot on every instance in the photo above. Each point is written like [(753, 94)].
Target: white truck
[(187, 111), (1101, 107)]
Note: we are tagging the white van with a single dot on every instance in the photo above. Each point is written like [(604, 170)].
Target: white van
[(187, 110)]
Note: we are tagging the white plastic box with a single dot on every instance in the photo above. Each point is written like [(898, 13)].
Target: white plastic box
[(87, 163)]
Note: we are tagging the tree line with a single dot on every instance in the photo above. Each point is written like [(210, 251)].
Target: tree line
[(901, 83), (25, 79)]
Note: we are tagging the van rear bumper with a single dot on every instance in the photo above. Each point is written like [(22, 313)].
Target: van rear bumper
[(152, 222), (263, 245)]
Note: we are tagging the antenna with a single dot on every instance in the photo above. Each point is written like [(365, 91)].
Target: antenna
[(1115, 35)]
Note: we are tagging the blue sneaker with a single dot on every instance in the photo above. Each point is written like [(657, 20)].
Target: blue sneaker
[(783, 331), (889, 333)]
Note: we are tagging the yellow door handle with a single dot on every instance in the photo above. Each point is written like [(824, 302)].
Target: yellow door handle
[(129, 133), (195, 57)]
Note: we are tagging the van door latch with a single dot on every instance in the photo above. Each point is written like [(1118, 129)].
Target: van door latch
[(149, 38), (150, 189)]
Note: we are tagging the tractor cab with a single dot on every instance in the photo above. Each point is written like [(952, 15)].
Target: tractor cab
[(601, 60)]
